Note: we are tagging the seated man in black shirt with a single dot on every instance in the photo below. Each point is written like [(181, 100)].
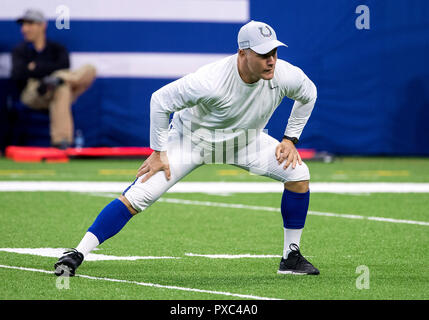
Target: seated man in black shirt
[(40, 69)]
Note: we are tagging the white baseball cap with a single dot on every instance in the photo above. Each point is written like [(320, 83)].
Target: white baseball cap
[(259, 37), (33, 15)]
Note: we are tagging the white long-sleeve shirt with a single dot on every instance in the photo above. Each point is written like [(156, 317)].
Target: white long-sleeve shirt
[(215, 104)]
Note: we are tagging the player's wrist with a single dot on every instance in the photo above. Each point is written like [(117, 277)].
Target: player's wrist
[(293, 140)]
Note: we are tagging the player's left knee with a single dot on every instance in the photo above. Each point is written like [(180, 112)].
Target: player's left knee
[(297, 186), (301, 179), (128, 205), (299, 173)]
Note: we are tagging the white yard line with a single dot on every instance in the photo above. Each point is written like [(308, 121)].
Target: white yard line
[(218, 187), (233, 256), (260, 208), (271, 209), (58, 252), (218, 204), (146, 284)]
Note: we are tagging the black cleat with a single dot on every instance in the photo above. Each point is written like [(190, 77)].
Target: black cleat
[(68, 263), (296, 263)]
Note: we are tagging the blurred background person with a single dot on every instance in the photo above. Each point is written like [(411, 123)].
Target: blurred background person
[(40, 69)]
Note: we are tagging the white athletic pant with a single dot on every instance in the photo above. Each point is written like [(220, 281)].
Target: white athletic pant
[(184, 156)]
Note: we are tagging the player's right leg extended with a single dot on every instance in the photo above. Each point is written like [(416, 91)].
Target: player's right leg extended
[(137, 197)]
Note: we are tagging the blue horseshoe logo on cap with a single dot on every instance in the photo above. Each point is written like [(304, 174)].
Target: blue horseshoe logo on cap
[(261, 29)]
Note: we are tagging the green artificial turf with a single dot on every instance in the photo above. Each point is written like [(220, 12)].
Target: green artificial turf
[(395, 254)]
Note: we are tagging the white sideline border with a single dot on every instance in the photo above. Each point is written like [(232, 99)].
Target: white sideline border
[(218, 187), (95, 188), (146, 284)]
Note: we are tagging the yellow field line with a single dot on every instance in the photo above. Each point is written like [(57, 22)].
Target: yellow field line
[(117, 172), (375, 173), (22, 172)]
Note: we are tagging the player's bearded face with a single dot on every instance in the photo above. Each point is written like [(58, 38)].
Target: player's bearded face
[(262, 65)]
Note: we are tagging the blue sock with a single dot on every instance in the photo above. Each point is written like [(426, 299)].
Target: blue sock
[(294, 209), (110, 220)]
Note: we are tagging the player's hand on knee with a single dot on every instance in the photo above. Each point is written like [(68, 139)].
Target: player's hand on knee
[(157, 161), (286, 151)]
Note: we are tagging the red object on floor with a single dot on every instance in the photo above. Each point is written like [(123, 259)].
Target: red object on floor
[(38, 154), (110, 152), (35, 154), (307, 153)]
